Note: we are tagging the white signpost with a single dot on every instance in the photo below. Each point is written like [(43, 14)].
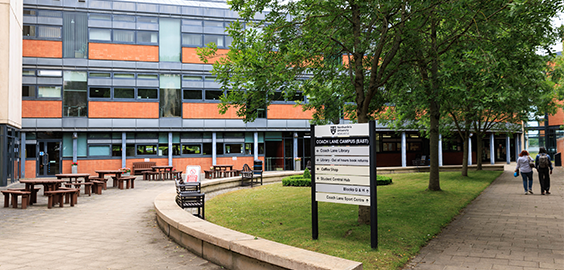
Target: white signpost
[(343, 169)]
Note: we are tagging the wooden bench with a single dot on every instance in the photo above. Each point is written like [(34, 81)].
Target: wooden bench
[(129, 182), (102, 179), (250, 175), (141, 166), (69, 194), (15, 193), (33, 198), (150, 175), (87, 187), (98, 186), (188, 199)]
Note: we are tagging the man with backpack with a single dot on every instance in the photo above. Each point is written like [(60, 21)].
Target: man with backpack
[(543, 163)]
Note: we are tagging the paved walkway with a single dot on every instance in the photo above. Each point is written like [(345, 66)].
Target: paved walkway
[(115, 230), (503, 229)]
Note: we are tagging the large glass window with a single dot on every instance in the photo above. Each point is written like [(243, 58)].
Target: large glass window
[(75, 94), (124, 93), (28, 91), (213, 94), (99, 150), (193, 94), (49, 31), (217, 39), (145, 37), (29, 30), (75, 35), (99, 92), (169, 37), (191, 149), (146, 149), (170, 99), (147, 93)]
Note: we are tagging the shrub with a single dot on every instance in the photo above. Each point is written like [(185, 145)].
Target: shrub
[(307, 174), (383, 180)]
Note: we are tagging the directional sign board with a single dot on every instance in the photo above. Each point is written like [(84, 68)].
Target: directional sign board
[(342, 169)]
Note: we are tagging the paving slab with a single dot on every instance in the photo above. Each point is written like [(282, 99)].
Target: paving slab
[(115, 230), (503, 229)]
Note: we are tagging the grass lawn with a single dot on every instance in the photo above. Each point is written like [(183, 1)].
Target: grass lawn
[(408, 216)]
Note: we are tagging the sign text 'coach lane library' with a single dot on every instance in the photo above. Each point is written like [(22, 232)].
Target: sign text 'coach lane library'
[(344, 171)]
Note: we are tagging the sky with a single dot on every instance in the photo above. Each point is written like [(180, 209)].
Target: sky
[(557, 21)]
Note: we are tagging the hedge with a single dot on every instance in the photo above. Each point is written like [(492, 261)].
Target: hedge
[(300, 181)]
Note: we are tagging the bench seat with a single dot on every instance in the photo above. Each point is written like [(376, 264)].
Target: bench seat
[(15, 193), (70, 195)]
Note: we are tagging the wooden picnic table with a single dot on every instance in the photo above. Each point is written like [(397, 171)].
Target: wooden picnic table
[(48, 185), (117, 174), (222, 170), (165, 172), (73, 177)]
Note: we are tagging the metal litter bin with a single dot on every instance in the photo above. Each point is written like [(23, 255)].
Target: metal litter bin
[(257, 165), (558, 159)]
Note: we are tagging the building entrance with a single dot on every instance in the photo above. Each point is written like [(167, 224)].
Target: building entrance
[(48, 158)]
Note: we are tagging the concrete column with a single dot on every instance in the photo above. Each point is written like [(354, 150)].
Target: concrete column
[(255, 146), (214, 148), (123, 149), (470, 150), (492, 149), (74, 147), (403, 150), (170, 149), (440, 150), (517, 146), (22, 153), (295, 154), (507, 149)]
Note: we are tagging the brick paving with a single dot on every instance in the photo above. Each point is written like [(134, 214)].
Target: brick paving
[(115, 230), (503, 229)]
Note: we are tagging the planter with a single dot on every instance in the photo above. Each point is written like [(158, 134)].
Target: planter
[(126, 174), (297, 165), (74, 169)]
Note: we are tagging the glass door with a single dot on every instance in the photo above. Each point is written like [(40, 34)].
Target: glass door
[(48, 158)]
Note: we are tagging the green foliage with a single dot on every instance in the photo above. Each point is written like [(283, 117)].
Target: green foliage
[(296, 181), (307, 174), (383, 180), (408, 217)]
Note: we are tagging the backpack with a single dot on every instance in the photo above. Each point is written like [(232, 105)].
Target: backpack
[(543, 161)]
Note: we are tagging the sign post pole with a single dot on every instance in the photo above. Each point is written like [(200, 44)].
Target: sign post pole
[(314, 216), (373, 187)]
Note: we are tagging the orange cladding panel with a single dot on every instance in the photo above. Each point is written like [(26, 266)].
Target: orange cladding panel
[(280, 111), (111, 109), (124, 52), (42, 48), (30, 169), (206, 111), (42, 109), (189, 55)]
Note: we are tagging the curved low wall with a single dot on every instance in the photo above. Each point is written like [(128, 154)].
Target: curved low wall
[(232, 249)]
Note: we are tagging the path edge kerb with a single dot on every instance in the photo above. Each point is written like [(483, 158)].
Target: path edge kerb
[(233, 249)]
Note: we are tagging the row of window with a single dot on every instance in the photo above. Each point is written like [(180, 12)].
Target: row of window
[(125, 18), (115, 75), (124, 36)]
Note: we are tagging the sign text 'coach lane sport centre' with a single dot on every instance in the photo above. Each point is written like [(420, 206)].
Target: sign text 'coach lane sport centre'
[(344, 169)]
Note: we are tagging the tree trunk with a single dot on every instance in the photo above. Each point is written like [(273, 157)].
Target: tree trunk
[(465, 154), (479, 151), (434, 183)]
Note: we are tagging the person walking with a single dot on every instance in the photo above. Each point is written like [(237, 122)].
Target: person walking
[(542, 164), (523, 165)]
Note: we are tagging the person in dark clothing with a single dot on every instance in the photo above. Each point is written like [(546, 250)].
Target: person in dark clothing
[(543, 164)]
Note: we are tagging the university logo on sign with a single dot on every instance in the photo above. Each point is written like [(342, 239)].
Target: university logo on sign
[(333, 130)]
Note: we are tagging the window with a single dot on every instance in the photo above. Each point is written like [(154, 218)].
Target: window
[(228, 41), (192, 22), (125, 36), (49, 92), (170, 40), (27, 72), (143, 19), (116, 150), (170, 104), (99, 150), (50, 73), (75, 38), (29, 30), (124, 93), (192, 39), (216, 24), (213, 94), (130, 150), (28, 91), (100, 34), (193, 94), (232, 148), (124, 18), (148, 76), (48, 31), (145, 37), (217, 39), (147, 93), (75, 94), (124, 75), (207, 149), (29, 12), (146, 149), (191, 149), (191, 78), (100, 75), (96, 92), (49, 13), (101, 17)]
